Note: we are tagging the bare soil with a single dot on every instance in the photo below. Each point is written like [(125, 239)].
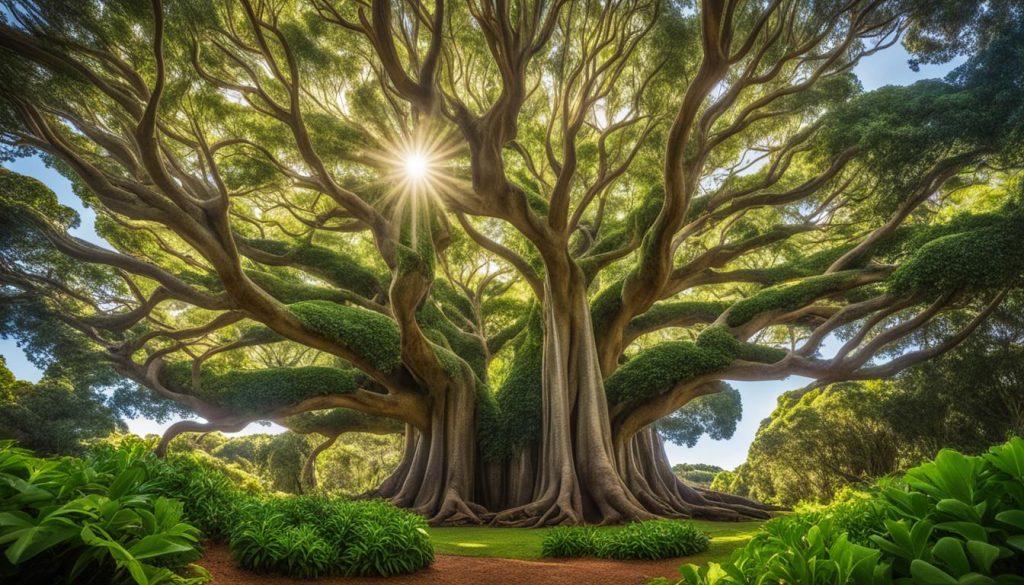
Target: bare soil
[(458, 570)]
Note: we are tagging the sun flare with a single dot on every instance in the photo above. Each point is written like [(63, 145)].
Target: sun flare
[(416, 166)]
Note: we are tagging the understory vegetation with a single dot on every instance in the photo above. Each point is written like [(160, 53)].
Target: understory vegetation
[(91, 521), (956, 520), (649, 540), (311, 537), (120, 515)]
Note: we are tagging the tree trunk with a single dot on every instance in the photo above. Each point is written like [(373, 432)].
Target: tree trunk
[(437, 475), (309, 468), (576, 478), (648, 473)]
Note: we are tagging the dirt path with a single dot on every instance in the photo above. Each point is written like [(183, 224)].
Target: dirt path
[(454, 570)]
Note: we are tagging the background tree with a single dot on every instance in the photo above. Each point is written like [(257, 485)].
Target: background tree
[(700, 474), (52, 417), (527, 230), (820, 440)]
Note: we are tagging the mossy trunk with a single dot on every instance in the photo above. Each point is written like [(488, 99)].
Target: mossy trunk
[(575, 478)]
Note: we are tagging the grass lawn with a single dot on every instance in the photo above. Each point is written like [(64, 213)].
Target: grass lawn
[(524, 543)]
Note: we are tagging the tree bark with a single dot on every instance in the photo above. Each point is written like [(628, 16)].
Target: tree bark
[(437, 475), (576, 478), (309, 467), (648, 473), (194, 426)]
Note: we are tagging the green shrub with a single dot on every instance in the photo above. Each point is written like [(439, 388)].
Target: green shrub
[(957, 519), (570, 542), (209, 496), (310, 536), (650, 540), (91, 521)]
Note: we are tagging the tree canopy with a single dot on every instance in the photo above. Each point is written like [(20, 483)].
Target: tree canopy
[(534, 233)]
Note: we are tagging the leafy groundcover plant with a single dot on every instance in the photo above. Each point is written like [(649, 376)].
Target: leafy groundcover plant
[(309, 536), (299, 536), (91, 521), (650, 540), (122, 516), (209, 496), (955, 520)]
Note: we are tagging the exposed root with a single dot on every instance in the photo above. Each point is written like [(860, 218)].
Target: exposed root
[(549, 511), (738, 500), (456, 511)]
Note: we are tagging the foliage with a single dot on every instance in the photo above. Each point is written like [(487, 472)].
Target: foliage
[(358, 462), (704, 171), (648, 540), (827, 438), (715, 415), (957, 519), (263, 390), (309, 537), (783, 298), (819, 440), (700, 474), (355, 464), (988, 257), (660, 368), (210, 498), (571, 542), (52, 416), (516, 413), (93, 520), (372, 336), (527, 544)]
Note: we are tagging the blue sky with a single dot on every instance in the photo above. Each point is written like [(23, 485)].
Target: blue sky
[(888, 67)]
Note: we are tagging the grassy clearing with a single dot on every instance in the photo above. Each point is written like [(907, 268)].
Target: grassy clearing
[(525, 543)]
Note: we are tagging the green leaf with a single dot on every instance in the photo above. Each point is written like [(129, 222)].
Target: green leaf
[(968, 530), (32, 541), (951, 552), (1014, 518), (926, 573), (1009, 458), (976, 579), (156, 545), (123, 482), (959, 510), (983, 554)]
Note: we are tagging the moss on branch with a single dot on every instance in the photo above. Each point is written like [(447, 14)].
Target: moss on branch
[(665, 313), (789, 297), (371, 336), (466, 346), (263, 391), (287, 289), (663, 367), (339, 269), (975, 259), (516, 407), (338, 420)]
